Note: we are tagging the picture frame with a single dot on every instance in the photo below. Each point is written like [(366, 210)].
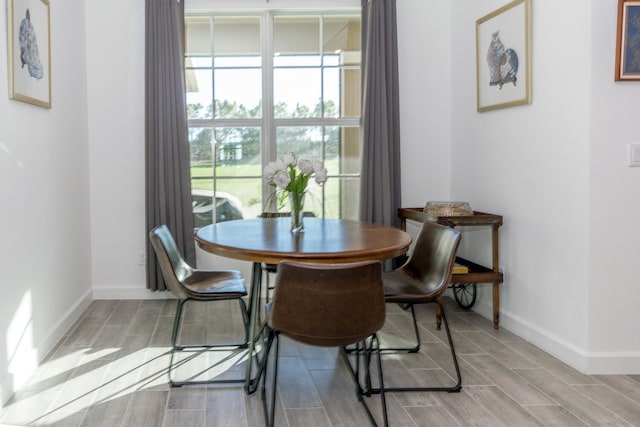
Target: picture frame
[(503, 57), (628, 41), (29, 49)]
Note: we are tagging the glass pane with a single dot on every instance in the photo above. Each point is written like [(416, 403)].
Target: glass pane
[(342, 36), (238, 151), (221, 205), (296, 36), (331, 89), (245, 192), (199, 94), (313, 199), (201, 148), (198, 62), (351, 94), (350, 150), (297, 92), (238, 61), (198, 36), (342, 150), (341, 92), (226, 207), (349, 199), (296, 61), (236, 36), (331, 60), (238, 93), (304, 141)]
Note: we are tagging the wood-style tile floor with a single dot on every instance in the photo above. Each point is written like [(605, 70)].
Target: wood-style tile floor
[(111, 370)]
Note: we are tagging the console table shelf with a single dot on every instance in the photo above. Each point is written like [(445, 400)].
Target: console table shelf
[(477, 273)]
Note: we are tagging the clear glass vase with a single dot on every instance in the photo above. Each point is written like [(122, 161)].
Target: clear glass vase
[(296, 200)]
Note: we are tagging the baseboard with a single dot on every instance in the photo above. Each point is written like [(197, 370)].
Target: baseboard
[(129, 293), (608, 363), (591, 363), (45, 346), (64, 324)]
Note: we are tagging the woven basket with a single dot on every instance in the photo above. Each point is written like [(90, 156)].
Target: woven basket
[(448, 209)]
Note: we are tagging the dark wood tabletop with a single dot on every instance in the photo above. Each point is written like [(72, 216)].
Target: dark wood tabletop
[(324, 240)]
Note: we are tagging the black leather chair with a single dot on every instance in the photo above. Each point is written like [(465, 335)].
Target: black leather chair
[(423, 279), (329, 305), (190, 284)]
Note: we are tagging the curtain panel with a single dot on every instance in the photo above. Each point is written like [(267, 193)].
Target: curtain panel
[(168, 184), (380, 183)]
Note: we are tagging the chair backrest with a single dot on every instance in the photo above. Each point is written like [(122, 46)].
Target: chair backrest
[(328, 304), (173, 266), (433, 256)]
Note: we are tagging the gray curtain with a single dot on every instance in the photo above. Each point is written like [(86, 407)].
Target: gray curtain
[(380, 184), (168, 185)]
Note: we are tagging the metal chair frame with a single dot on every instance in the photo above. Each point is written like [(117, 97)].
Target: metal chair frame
[(176, 348), (363, 354), (176, 272), (430, 230)]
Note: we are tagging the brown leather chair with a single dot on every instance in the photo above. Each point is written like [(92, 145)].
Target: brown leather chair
[(190, 284), (329, 305), (423, 279)]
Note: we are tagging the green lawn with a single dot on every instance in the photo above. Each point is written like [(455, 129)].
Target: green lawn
[(248, 188)]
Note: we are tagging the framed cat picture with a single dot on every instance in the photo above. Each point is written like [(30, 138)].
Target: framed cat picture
[(628, 41), (29, 52), (503, 57)]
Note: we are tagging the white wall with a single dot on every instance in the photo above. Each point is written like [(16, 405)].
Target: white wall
[(424, 55), (613, 315), (115, 69), (554, 169), (44, 196), (530, 164)]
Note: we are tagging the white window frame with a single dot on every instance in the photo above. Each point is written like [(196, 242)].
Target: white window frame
[(268, 124)]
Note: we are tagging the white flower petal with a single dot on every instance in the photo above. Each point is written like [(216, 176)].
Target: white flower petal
[(280, 165), (321, 176), (305, 166), (281, 179), (270, 171), (289, 159)]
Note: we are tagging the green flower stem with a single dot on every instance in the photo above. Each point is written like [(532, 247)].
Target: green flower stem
[(297, 207)]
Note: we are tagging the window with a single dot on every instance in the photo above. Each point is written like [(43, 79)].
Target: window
[(260, 86)]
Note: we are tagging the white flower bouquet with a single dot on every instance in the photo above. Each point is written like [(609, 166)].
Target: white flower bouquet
[(290, 177)]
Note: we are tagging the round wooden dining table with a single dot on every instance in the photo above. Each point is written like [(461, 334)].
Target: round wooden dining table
[(323, 240), (269, 240)]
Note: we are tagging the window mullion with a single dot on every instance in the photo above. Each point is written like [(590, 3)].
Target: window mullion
[(268, 126)]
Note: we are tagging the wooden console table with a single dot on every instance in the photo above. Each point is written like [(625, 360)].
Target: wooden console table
[(476, 273)]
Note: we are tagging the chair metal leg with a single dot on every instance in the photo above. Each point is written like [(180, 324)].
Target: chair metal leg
[(383, 399), (266, 275), (175, 347), (453, 389), (245, 318), (414, 349), (269, 413), (458, 386), (364, 351), (174, 337)]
